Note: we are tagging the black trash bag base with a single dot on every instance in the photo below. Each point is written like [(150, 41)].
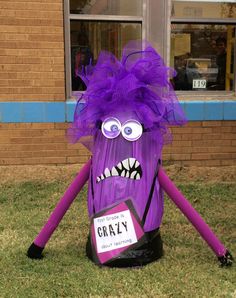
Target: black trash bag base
[(145, 254), (226, 260), (35, 251)]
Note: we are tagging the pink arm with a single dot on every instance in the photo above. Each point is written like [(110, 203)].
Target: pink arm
[(182, 203), (35, 250)]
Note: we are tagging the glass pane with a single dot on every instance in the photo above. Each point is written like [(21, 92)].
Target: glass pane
[(88, 38), (203, 9), (203, 56), (107, 7)]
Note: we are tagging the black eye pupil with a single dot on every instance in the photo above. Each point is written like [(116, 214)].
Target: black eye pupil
[(114, 127), (128, 130)]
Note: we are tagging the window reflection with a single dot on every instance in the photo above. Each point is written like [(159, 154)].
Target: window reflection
[(203, 56), (88, 38), (200, 9), (106, 7)]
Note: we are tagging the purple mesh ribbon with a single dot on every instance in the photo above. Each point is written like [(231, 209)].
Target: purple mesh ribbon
[(138, 83)]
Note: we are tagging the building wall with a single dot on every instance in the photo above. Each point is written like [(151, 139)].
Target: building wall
[(31, 50), (203, 143), (38, 143), (33, 108), (200, 143)]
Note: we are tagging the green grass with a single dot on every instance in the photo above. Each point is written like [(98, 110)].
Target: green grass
[(188, 269)]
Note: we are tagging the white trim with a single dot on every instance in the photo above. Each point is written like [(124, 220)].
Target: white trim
[(234, 66), (92, 17), (223, 1), (67, 49), (204, 21), (145, 23), (168, 33)]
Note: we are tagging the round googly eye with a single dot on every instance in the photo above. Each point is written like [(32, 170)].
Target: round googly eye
[(132, 130), (111, 128)]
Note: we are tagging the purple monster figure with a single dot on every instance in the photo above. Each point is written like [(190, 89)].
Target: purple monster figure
[(128, 106)]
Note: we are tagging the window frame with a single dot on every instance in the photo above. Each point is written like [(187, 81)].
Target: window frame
[(90, 17), (221, 94), (157, 30)]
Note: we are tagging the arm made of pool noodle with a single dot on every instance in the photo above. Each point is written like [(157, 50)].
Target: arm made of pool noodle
[(36, 248), (204, 230)]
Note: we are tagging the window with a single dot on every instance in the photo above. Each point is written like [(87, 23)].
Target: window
[(202, 38), (95, 25), (106, 7), (88, 38), (203, 45)]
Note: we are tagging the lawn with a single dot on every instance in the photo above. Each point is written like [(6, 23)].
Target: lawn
[(188, 269)]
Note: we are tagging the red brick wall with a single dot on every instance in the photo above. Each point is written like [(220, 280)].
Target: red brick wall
[(36, 143), (31, 50), (208, 143), (203, 143)]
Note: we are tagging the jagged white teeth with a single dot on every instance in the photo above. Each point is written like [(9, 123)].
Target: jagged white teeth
[(107, 173), (133, 174), (126, 164), (114, 172), (131, 162), (119, 165)]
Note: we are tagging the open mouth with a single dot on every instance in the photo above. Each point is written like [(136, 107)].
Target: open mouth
[(129, 168)]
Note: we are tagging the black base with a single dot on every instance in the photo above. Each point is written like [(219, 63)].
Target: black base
[(145, 254), (35, 252), (226, 260)]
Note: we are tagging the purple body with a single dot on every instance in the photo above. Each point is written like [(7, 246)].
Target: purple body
[(109, 153)]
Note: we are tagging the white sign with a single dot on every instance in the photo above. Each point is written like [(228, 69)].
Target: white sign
[(114, 231), (199, 84)]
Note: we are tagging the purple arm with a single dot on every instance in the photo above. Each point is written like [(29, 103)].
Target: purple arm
[(36, 248), (182, 203)]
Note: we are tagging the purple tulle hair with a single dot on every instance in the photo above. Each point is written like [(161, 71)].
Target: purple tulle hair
[(139, 82)]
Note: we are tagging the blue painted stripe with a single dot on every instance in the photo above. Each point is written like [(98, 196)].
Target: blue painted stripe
[(194, 110), (55, 112), (24, 112), (59, 112), (230, 110), (214, 110), (210, 110), (70, 108)]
